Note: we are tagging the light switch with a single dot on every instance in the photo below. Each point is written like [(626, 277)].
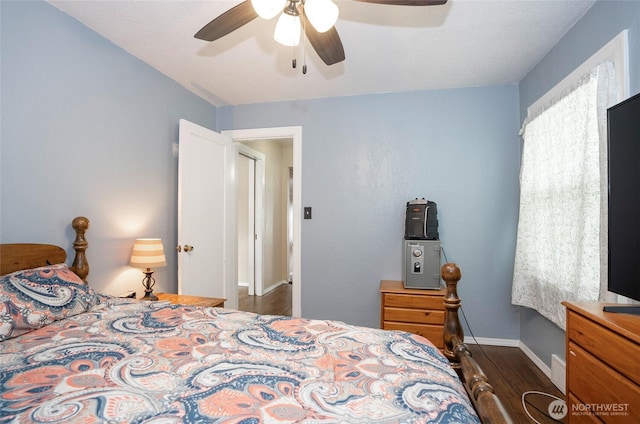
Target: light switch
[(307, 212)]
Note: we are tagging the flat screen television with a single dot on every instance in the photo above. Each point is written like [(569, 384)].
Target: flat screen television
[(623, 131)]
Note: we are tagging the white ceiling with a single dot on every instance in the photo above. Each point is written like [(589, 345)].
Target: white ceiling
[(388, 48)]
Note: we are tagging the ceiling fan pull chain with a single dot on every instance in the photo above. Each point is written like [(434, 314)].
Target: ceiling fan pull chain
[(294, 62), (304, 60), (304, 56), (304, 48)]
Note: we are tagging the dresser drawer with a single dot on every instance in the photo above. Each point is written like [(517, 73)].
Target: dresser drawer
[(419, 316), (579, 417), (413, 301), (618, 352), (431, 332), (591, 381)]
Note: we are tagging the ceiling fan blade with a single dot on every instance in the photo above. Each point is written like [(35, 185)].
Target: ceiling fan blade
[(407, 2), (229, 21), (327, 44)]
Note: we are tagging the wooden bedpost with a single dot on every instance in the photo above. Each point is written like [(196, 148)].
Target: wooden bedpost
[(481, 392), (80, 265), (453, 332)]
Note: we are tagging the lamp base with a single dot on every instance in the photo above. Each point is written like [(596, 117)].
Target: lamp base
[(149, 296), (148, 282)]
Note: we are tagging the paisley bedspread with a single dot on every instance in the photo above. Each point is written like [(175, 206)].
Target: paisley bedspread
[(152, 362)]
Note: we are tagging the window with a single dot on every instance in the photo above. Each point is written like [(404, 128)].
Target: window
[(561, 242)]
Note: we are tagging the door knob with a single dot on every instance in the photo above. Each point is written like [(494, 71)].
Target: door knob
[(188, 248)]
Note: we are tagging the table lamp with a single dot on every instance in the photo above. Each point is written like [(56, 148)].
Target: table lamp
[(148, 253)]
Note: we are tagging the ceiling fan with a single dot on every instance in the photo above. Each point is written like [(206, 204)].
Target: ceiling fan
[(315, 18)]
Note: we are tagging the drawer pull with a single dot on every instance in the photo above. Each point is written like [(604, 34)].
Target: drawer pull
[(426, 314), (572, 352)]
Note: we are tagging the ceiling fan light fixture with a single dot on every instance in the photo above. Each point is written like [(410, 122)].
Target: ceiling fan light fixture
[(288, 27), (323, 14), (268, 9)]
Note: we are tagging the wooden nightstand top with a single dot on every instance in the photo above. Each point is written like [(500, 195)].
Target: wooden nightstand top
[(392, 286), (184, 299)]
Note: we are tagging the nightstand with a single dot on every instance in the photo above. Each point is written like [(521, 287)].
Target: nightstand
[(418, 311), (184, 299)]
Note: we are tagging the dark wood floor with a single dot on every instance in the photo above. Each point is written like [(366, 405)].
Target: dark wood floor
[(276, 302), (512, 373), (509, 370)]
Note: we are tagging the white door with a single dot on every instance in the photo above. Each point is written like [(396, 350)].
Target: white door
[(207, 252)]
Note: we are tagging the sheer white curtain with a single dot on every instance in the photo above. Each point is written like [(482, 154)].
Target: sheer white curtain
[(561, 242)]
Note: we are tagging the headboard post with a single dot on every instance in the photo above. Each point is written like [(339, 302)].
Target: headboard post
[(80, 265), (453, 332)]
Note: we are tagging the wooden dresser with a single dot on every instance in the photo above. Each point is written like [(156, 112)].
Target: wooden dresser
[(414, 310), (603, 365)]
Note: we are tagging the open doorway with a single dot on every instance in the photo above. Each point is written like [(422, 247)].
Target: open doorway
[(263, 222), (292, 135)]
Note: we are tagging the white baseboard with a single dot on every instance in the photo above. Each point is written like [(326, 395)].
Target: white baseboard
[(268, 289), (537, 361), (556, 373), (278, 284), (491, 341)]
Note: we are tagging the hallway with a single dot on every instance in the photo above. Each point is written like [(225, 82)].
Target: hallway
[(276, 302)]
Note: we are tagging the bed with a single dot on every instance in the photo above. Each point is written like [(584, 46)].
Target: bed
[(69, 354)]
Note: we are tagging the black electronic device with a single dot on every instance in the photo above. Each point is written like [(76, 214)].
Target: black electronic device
[(623, 131), (421, 220)]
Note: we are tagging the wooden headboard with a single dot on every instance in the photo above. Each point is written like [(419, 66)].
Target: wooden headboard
[(18, 256)]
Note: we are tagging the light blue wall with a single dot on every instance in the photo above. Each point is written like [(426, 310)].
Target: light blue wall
[(364, 157), (87, 129), (598, 26)]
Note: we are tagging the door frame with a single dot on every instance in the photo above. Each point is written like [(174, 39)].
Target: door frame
[(294, 133), (258, 219)]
